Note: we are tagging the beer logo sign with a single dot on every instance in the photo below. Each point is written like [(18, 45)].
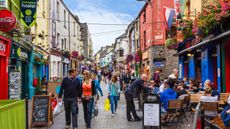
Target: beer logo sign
[(8, 20), (28, 12)]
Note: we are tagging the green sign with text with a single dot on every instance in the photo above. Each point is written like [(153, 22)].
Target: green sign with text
[(28, 12)]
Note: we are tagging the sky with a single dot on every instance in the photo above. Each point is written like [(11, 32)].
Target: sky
[(121, 12)]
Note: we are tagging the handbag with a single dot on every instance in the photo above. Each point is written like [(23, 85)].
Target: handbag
[(95, 111)]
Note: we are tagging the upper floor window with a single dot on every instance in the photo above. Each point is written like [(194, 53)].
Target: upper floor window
[(58, 9), (144, 16), (64, 18), (144, 36)]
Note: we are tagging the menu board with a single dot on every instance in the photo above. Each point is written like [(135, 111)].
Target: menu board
[(41, 113), (15, 85), (151, 114)]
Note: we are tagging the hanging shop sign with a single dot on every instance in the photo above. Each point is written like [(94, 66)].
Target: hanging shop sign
[(145, 55), (17, 52), (8, 20), (3, 3), (28, 12), (159, 62)]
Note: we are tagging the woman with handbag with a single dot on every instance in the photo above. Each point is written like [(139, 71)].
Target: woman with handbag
[(88, 93), (114, 89)]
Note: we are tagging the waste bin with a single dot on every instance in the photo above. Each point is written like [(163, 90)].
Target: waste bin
[(151, 112), (12, 114)]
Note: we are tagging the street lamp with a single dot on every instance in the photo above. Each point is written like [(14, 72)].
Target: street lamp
[(148, 1)]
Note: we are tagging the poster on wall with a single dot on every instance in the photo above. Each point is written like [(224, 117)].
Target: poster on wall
[(28, 12), (3, 3), (15, 85)]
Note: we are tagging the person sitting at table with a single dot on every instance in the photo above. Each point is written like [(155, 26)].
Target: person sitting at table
[(195, 87), (168, 94), (207, 97), (181, 93), (185, 80), (154, 87), (208, 84)]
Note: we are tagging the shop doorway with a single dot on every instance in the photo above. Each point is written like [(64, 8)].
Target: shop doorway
[(198, 66), (25, 87), (227, 64), (213, 64)]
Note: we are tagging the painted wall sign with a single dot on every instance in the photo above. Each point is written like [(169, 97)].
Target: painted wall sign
[(2, 47), (8, 20), (3, 3), (28, 12)]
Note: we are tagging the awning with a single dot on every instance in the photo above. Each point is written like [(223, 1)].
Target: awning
[(222, 35)]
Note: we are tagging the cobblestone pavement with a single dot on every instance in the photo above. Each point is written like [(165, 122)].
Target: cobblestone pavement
[(104, 119)]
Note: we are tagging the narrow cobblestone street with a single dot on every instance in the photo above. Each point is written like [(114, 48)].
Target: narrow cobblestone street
[(104, 119)]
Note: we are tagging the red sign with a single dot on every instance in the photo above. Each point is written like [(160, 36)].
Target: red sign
[(8, 20)]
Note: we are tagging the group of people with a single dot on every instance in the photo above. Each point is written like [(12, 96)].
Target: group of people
[(79, 89)]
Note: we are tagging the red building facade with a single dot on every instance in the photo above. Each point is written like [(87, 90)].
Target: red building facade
[(152, 38), (4, 56), (153, 24)]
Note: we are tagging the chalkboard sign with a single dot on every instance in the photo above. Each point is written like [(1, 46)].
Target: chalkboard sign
[(15, 85), (41, 112)]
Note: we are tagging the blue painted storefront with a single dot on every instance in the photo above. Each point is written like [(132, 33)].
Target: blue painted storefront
[(210, 65), (35, 71)]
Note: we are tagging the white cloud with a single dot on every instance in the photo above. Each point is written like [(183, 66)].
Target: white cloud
[(95, 13)]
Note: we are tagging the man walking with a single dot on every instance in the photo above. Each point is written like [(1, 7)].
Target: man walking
[(72, 93), (133, 91)]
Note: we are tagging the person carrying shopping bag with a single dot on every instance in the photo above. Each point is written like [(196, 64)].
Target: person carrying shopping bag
[(88, 93), (114, 89)]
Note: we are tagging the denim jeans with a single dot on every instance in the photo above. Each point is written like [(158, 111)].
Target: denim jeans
[(88, 107), (71, 105), (113, 102)]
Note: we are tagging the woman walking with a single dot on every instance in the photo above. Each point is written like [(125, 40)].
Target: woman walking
[(88, 93), (114, 89)]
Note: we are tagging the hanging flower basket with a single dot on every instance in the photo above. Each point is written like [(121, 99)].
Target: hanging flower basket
[(75, 54), (171, 43), (67, 54), (137, 57), (81, 58), (37, 59), (129, 58)]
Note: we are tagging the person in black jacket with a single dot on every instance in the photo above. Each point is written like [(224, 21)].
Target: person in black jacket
[(133, 91), (88, 93), (72, 93)]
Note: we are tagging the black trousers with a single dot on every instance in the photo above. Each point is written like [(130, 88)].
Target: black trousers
[(130, 107), (71, 106)]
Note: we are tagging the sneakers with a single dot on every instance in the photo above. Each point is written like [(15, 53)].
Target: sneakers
[(112, 115), (67, 127)]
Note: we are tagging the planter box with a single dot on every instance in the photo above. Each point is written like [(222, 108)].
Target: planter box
[(12, 114)]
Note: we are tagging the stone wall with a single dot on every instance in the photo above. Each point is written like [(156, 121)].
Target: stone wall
[(171, 61)]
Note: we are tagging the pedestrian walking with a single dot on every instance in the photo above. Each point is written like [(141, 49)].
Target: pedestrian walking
[(88, 93), (96, 97), (114, 89), (133, 91), (72, 92)]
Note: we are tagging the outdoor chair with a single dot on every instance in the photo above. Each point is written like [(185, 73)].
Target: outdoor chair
[(174, 108), (208, 109), (185, 106), (194, 100)]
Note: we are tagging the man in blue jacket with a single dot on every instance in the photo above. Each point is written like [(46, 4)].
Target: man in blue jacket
[(168, 94)]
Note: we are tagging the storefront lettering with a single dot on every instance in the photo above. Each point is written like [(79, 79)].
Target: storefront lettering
[(2, 47), (24, 55), (9, 20)]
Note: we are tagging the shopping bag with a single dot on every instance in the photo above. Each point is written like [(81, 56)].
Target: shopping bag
[(107, 105), (57, 109)]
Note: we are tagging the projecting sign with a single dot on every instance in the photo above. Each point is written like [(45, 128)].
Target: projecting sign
[(8, 20), (3, 3), (28, 12)]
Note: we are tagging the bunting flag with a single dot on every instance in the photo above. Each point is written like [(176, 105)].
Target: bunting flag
[(169, 16)]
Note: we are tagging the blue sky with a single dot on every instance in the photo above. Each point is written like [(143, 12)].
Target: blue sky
[(107, 12)]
